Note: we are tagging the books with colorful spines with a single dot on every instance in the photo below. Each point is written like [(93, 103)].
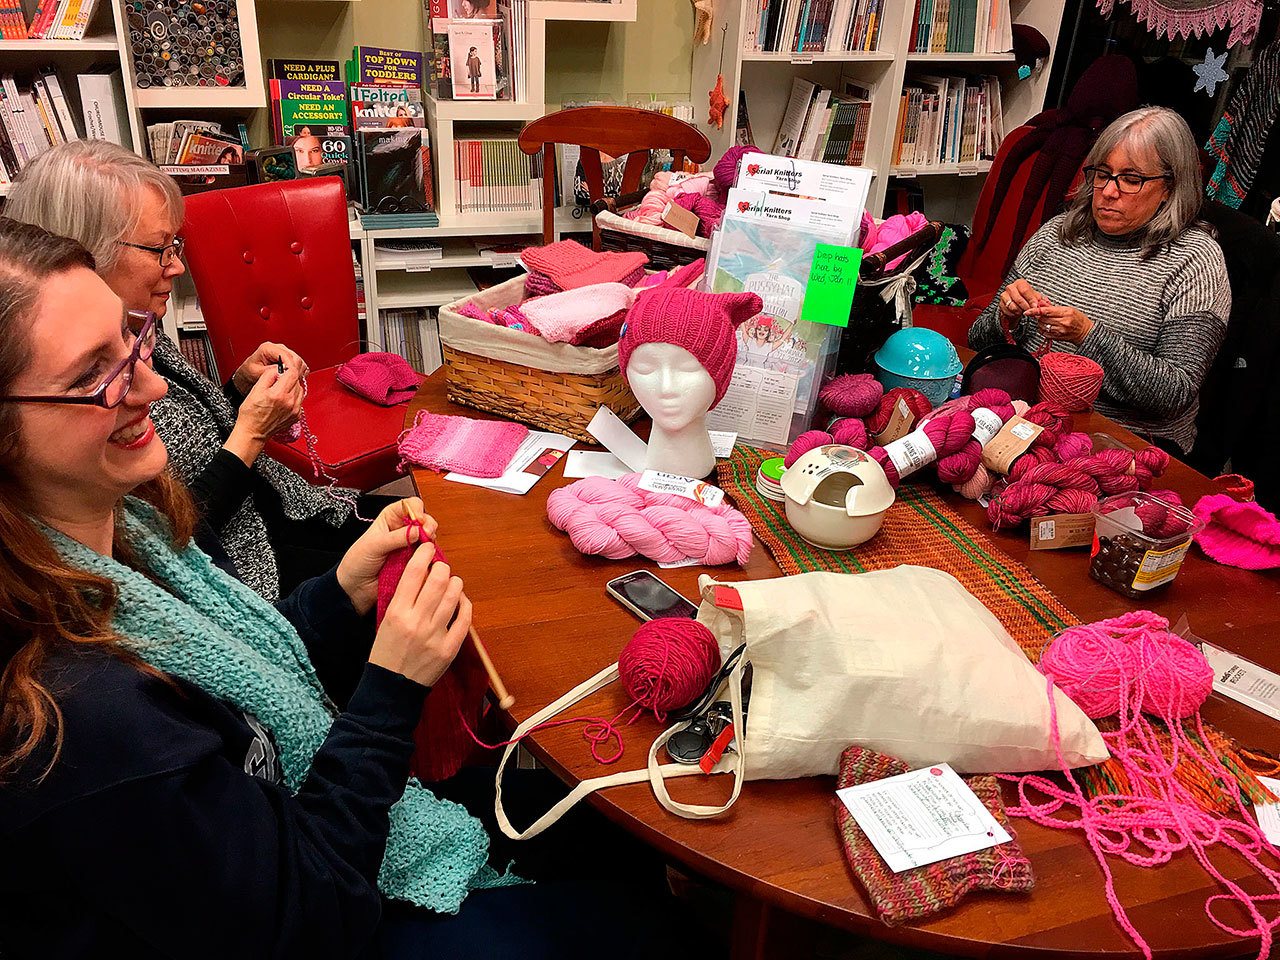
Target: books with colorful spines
[(61, 108), (319, 105), (81, 24), (43, 19), (375, 105), (67, 14), (385, 66), (13, 25)]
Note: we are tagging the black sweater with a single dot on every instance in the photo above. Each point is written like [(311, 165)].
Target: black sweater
[(164, 830)]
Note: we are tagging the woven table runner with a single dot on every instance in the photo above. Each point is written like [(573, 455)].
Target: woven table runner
[(928, 533)]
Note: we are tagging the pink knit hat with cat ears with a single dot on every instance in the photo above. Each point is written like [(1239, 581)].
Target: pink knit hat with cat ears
[(702, 323)]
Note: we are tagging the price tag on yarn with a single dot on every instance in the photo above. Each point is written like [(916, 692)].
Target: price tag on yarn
[(1013, 440), (678, 218), (912, 452), (686, 562), (833, 277), (900, 423), (986, 424), (1062, 530), (655, 481)]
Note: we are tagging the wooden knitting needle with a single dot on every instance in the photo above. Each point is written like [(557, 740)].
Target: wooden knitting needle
[(505, 700)]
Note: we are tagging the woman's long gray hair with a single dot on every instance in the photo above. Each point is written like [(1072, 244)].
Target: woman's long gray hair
[(1160, 133)]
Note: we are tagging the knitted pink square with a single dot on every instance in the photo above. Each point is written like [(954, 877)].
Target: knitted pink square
[(477, 448)]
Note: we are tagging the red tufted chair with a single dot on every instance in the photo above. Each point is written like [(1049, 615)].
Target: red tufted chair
[(273, 262)]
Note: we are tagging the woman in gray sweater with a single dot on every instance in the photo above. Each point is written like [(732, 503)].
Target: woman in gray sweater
[(1128, 277)]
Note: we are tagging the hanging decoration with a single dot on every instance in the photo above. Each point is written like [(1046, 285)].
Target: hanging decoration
[(702, 13), (1192, 18), (1210, 73), (718, 102)]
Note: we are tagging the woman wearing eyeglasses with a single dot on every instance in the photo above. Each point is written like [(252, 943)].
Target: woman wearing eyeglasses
[(1129, 277), (277, 528)]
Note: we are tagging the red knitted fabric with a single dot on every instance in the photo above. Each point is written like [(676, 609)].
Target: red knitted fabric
[(568, 265), (923, 891), (443, 744)]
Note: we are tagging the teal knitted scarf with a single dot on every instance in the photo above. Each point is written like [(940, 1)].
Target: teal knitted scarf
[(220, 636)]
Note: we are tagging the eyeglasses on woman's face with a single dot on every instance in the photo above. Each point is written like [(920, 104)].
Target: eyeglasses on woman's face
[(1098, 177), (140, 328), (167, 253)]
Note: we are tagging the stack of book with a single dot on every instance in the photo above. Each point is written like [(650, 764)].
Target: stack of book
[(392, 146), (948, 120), (819, 124), (402, 333), (812, 26), (186, 143), (33, 117), (492, 175), (308, 108), (408, 254), (961, 26), (477, 49), (53, 20)]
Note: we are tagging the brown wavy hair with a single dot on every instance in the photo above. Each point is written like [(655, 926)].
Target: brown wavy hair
[(44, 602)]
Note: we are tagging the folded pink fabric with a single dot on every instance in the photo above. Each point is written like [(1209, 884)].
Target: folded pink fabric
[(586, 316), (477, 448), (567, 264), (511, 317), (1238, 534), (384, 378)]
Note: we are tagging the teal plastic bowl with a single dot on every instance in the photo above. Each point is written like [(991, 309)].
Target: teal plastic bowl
[(922, 359)]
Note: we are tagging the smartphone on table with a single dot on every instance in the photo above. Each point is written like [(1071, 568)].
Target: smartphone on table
[(648, 597)]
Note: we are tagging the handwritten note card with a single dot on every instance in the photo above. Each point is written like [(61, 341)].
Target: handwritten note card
[(832, 280)]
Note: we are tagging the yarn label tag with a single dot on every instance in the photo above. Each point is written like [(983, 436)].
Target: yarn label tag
[(833, 277), (911, 452), (900, 423), (986, 424), (686, 221), (1013, 440), (655, 481), (1061, 530), (921, 817)]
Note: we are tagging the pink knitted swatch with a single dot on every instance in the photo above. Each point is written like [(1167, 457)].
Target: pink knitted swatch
[(476, 448), (384, 378), (616, 519), (590, 316)]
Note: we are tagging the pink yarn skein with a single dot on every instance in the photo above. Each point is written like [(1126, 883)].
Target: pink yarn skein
[(1074, 486), (948, 434), (616, 519), (1131, 667)]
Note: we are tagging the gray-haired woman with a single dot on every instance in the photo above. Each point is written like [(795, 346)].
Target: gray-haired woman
[(277, 529), (1128, 277)]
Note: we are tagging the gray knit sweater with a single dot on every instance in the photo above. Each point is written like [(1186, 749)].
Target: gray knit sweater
[(1157, 323)]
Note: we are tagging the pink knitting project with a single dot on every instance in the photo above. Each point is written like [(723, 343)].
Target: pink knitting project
[(476, 448), (384, 378), (616, 519), (1238, 534), (567, 265), (590, 315)]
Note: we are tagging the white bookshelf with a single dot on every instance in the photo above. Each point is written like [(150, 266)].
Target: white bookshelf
[(951, 190)]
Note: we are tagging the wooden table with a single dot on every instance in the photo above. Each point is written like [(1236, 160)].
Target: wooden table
[(543, 611)]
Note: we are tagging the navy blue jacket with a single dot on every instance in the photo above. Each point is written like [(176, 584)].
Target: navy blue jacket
[(164, 830)]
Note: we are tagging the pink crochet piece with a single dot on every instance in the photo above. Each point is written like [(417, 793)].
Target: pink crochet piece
[(476, 448), (567, 265), (1238, 534), (588, 315), (384, 378), (616, 519)]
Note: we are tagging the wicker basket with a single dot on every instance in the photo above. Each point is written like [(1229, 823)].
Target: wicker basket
[(552, 386), (665, 248)]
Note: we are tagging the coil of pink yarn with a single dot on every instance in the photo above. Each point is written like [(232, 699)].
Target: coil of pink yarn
[(616, 519), (916, 402), (1070, 380), (852, 395), (1132, 668), (726, 168), (1074, 486)]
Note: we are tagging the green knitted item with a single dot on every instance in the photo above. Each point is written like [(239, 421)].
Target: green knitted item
[(217, 634)]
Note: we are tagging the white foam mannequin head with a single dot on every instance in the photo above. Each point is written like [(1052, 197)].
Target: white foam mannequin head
[(676, 391)]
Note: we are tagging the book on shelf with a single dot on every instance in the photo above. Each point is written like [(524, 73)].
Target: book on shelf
[(35, 114), (819, 124), (466, 64), (479, 70), (394, 170), (385, 66), (375, 105), (409, 253), (493, 175), (948, 120), (102, 102), (812, 26), (52, 20), (281, 68), (961, 26), (315, 108), (403, 333)]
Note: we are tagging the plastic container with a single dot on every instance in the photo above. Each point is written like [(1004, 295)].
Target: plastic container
[(1139, 542), (922, 359)]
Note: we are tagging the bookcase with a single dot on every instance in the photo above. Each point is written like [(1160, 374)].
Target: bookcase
[(951, 191)]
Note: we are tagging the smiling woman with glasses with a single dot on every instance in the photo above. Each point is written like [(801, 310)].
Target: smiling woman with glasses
[(277, 527), (1129, 277)]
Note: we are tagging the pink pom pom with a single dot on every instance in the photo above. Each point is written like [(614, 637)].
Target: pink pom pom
[(809, 440), (852, 395)]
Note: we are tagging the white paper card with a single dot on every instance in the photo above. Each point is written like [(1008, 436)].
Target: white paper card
[(722, 442), (594, 463), (655, 481), (619, 439), (1268, 814), (1243, 681), (538, 454), (922, 817), (686, 562)]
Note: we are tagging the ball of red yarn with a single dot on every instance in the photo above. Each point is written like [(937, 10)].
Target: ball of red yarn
[(851, 432), (809, 440), (852, 395), (668, 663), (1070, 380), (917, 403)]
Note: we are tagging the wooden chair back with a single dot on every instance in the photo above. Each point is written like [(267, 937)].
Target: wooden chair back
[(615, 131)]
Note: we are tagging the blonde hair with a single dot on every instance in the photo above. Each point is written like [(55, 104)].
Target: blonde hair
[(1160, 133), (89, 190)]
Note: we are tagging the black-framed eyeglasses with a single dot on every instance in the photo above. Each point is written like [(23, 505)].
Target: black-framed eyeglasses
[(1098, 178), (110, 393), (167, 254)]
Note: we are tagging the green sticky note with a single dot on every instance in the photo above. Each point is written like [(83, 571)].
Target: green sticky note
[(832, 280)]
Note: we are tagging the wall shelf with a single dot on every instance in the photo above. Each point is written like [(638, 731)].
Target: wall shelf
[(87, 45), (960, 58), (484, 110), (804, 59), (943, 169)]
